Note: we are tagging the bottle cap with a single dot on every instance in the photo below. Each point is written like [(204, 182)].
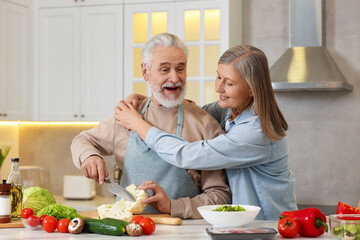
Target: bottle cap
[(15, 160), (5, 188)]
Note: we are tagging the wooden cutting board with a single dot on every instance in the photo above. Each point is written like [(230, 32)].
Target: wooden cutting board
[(13, 224), (160, 218)]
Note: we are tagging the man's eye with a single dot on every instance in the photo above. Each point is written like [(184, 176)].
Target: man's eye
[(164, 70)]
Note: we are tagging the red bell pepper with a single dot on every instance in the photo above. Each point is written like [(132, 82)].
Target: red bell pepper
[(346, 209), (312, 221)]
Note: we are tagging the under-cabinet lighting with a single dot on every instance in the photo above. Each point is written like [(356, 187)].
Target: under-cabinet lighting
[(46, 123)]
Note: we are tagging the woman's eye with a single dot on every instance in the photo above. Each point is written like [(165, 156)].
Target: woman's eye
[(229, 83)]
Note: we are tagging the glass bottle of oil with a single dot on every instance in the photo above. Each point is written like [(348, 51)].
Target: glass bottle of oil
[(16, 182)]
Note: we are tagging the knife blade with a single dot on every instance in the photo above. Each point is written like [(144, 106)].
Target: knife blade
[(118, 190)]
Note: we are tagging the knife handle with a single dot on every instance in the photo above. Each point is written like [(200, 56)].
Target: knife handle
[(167, 220)]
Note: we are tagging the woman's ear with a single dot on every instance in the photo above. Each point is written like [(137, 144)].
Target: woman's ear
[(145, 71)]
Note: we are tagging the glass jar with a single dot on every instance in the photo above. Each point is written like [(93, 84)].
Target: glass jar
[(5, 202)]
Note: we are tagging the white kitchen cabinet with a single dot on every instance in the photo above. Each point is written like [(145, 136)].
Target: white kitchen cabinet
[(208, 28), (15, 68), (80, 60)]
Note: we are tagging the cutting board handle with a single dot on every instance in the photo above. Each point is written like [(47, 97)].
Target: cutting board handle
[(167, 220)]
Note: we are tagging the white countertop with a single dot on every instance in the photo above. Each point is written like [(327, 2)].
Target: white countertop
[(190, 229)]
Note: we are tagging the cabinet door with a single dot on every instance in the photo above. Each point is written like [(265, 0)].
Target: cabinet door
[(142, 22), (15, 73), (203, 27), (59, 65), (101, 61)]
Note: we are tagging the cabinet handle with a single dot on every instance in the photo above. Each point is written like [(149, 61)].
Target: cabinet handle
[(75, 115), (82, 115)]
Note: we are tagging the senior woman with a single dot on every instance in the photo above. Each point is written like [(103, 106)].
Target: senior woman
[(254, 149)]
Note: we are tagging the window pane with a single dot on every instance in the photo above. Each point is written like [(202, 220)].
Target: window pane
[(212, 24), (140, 88), (193, 91), (159, 22), (192, 67), (140, 21), (209, 94), (192, 25), (137, 63), (211, 58)]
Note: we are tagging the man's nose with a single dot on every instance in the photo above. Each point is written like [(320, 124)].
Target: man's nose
[(174, 76)]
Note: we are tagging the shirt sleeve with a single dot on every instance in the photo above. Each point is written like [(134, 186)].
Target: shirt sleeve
[(96, 141), (215, 190), (243, 146)]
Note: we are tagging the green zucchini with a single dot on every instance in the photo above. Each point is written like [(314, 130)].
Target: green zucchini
[(103, 227)]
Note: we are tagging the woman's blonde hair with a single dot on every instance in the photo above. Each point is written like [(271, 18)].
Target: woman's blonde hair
[(252, 66)]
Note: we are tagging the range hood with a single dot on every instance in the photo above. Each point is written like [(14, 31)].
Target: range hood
[(307, 65)]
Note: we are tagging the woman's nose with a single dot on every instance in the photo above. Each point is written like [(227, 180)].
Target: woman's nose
[(219, 87)]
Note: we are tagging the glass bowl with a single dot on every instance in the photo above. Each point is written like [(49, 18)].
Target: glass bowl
[(228, 219), (345, 226), (27, 226)]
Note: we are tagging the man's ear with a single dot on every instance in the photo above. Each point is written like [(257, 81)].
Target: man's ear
[(145, 71)]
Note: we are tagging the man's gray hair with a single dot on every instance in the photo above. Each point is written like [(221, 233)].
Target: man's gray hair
[(163, 40)]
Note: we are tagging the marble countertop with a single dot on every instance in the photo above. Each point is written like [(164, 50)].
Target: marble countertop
[(189, 229)]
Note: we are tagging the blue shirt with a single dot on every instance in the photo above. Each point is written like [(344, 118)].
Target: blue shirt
[(257, 168)]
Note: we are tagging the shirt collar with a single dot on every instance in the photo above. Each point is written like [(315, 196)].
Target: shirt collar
[(244, 116)]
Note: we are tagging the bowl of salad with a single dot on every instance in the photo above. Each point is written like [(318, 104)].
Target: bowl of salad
[(229, 215), (345, 226)]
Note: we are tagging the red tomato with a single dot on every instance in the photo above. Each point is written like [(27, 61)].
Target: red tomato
[(49, 224), (33, 220), (147, 225), (288, 227), (63, 225), (42, 219), (26, 212), (137, 219)]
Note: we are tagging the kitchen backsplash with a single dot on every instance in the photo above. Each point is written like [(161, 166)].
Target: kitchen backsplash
[(47, 146)]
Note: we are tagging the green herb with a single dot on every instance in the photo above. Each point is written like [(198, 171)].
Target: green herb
[(228, 208), (16, 196)]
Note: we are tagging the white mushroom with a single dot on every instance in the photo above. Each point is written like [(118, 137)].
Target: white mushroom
[(134, 229), (76, 225)]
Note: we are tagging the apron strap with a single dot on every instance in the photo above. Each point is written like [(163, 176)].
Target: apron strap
[(145, 107), (180, 120)]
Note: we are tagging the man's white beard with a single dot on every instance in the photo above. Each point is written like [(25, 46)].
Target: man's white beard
[(172, 101)]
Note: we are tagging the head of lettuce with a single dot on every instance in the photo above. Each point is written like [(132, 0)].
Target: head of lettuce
[(37, 198)]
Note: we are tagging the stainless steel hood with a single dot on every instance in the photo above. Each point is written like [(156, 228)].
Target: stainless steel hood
[(307, 65)]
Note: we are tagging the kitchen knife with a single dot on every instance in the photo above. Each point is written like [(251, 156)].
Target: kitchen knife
[(118, 190)]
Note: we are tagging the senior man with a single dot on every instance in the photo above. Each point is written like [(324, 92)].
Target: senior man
[(175, 191)]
